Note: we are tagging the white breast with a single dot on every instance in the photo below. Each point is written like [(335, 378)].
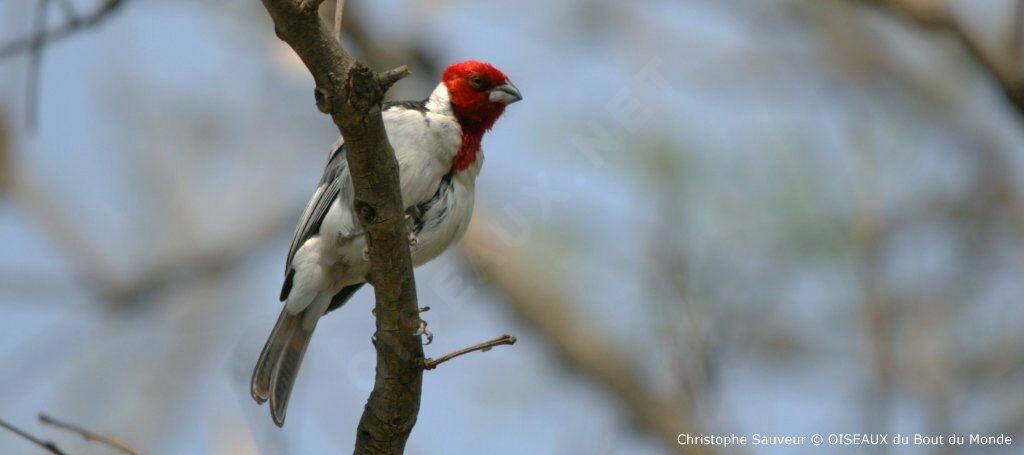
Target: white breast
[(446, 217), (425, 144)]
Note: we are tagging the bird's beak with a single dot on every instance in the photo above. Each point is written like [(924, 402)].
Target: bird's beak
[(505, 94)]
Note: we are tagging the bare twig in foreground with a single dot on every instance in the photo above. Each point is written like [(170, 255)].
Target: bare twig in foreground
[(45, 445), (90, 436), (430, 364)]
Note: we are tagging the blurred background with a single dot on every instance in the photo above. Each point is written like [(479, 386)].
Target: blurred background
[(781, 217)]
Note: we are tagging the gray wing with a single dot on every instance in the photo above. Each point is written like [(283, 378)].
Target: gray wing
[(334, 182)]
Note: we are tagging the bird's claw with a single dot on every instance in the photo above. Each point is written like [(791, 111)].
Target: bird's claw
[(410, 225), (422, 331)]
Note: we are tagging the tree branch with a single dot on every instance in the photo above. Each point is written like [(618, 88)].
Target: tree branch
[(45, 445), (1004, 66), (90, 436), (73, 24), (352, 93), (430, 364)]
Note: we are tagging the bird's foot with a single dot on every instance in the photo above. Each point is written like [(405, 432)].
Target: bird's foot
[(413, 240), (422, 330)]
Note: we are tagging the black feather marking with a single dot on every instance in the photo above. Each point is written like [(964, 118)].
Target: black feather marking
[(287, 287), (420, 106), (433, 211), (342, 296)]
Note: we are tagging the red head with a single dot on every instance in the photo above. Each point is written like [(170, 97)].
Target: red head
[(479, 94)]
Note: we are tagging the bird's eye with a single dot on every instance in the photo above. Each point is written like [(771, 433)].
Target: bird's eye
[(476, 81)]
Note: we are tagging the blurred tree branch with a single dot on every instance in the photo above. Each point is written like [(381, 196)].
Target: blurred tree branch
[(48, 446), (73, 24), (41, 36), (1005, 67), (90, 436), (152, 279), (352, 94), (547, 309), (871, 235), (110, 441)]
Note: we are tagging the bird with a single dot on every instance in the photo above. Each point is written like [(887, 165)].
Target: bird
[(437, 146)]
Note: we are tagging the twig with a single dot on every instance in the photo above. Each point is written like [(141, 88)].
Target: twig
[(90, 436), (389, 77), (430, 364), (46, 445), (70, 27)]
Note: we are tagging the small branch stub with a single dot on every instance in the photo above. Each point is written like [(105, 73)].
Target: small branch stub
[(430, 364), (390, 77), (309, 6)]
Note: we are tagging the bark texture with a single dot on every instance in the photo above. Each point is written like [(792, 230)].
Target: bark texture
[(351, 94)]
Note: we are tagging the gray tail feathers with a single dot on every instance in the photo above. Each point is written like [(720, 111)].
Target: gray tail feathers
[(279, 363)]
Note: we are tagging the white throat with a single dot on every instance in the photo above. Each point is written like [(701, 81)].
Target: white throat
[(440, 102)]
